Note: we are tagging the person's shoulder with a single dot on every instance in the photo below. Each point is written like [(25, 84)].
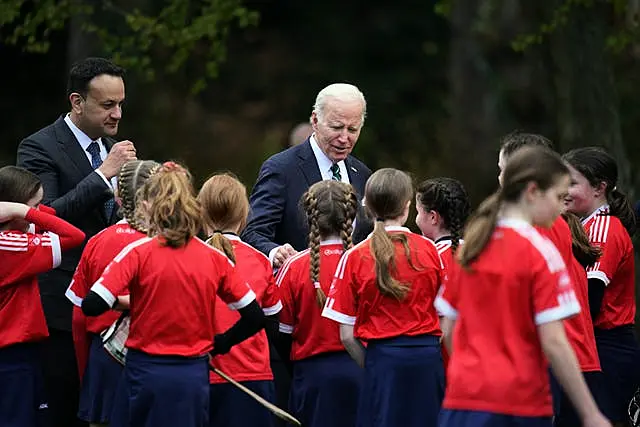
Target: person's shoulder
[(358, 164)]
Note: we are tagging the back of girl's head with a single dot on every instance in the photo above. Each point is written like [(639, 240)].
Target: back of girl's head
[(170, 206), (448, 197), (131, 178), (516, 140), (598, 166), (387, 194), (224, 201), (331, 208), (18, 184), (527, 165)]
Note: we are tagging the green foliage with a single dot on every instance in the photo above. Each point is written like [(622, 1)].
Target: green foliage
[(143, 40)]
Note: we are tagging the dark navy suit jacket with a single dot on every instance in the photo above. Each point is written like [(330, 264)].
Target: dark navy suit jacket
[(276, 217)]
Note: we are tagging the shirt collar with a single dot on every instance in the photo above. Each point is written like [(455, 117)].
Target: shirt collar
[(82, 137), (331, 242), (232, 236), (516, 223), (602, 209)]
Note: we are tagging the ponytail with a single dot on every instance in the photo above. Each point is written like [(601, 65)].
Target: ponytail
[(311, 203), (480, 229), (620, 207), (586, 253), (384, 252), (220, 242)]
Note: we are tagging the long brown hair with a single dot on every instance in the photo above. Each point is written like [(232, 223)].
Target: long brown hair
[(331, 207), (224, 201), (172, 210), (18, 184), (529, 164), (131, 178), (586, 253), (387, 193)]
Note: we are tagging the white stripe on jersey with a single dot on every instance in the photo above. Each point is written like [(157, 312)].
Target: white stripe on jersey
[(285, 267)]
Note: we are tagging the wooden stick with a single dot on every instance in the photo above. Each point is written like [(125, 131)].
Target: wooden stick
[(280, 413)]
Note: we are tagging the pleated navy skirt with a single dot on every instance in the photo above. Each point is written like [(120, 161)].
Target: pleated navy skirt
[(620, 362), (162, 391), (403, 383), (325, 390), (231, 407), (22, 395), (458, 418), (99, 384)]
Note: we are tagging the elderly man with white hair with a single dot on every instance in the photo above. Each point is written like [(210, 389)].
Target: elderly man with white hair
[(277, 226)]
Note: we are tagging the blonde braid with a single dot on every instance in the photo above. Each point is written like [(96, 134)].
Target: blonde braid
[(350, 206), (311, 206)]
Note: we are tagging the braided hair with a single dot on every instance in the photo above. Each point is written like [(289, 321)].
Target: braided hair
[(132, 176), (449, 199), (331, 208)]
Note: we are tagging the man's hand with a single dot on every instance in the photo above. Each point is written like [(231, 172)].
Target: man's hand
[(120, 153), (282, 253)]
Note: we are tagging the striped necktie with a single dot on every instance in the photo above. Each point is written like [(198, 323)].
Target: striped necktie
[(96, 162), (335, 172)]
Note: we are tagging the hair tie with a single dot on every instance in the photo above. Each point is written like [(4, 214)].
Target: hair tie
[(316, 285), (379, 219), (615, 187)]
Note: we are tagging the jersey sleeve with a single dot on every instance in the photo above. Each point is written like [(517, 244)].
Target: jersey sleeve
[(284, 282), (552, 290), (26, 255), (233, 289), (271, 303), (79, 287), (447, 300), (612, 251), (341, 305), (119, 274)]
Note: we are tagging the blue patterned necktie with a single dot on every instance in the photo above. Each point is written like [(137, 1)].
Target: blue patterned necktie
[(96, 161), (335, 172)]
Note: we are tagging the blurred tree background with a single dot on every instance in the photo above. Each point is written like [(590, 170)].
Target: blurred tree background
[(219, 84)]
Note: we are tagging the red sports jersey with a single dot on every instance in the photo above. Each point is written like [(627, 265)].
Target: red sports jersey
[(354, 297), (249, 360), (447, 256), (173, 294), (301, 316), (579, 328), (98, 253), (24, 256), (616, 268), (518, 282)]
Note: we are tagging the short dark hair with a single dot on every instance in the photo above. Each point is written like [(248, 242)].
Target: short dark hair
[(85, 70), (513, 141), (18, 185)]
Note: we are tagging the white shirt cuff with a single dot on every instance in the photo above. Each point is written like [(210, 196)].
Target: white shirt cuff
[(272, 254), (104, 178)]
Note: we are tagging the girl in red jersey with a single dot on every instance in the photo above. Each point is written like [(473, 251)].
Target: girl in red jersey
[(102, 372), (383, 294), (326, 382), (504, 309), (225, 203), (173, 279), (610, 222), (443, 208), (24, 255), (573, 245)]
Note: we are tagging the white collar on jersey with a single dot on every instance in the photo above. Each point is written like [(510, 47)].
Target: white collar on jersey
[(122, 221), (333, 241), (394, 228), (232, 236), (601, 209), (516, 223)]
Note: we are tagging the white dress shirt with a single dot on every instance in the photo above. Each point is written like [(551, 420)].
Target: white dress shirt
[(84, 141)]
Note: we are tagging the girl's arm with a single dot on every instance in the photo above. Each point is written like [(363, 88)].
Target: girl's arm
[(353, 345), (447, 325), (565, 368), (70, 236)]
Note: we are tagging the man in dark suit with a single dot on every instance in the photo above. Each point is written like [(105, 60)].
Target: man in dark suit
[(277, 226), (77, 162)]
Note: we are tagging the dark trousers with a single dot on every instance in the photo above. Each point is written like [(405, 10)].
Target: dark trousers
[(61, 380)]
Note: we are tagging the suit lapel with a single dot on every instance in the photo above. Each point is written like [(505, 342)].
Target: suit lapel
[(355, 177), (72, 148), (308, 164)]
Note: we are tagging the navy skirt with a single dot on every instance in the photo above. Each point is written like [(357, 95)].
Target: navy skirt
[(22, 395), (565, 414), (457, 418), (99, 384), (325, 390), (620, 362), (230, 406), (162, 391), (403, 383)]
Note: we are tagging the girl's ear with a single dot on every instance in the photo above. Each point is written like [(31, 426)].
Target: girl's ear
[(600, 189), (434, 217), (530, 191)]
